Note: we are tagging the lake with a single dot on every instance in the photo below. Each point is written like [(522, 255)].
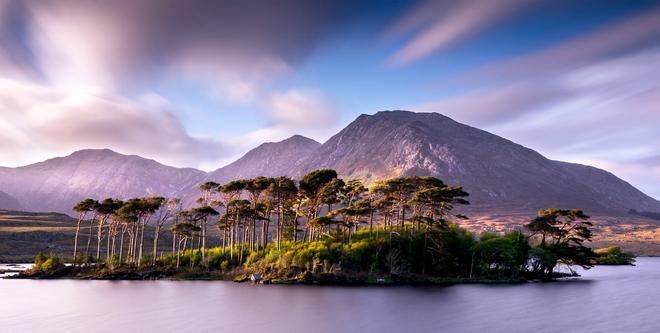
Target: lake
[(605, 299)]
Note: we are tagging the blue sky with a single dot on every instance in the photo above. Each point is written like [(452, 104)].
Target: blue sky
[(199, 83)]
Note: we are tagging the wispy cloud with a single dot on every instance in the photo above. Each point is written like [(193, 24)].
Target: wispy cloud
[(233, 46), (435, 25), (592, 99), (295, 111), (631, 34)]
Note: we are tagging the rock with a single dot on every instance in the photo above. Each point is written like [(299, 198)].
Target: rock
[(255, 278)]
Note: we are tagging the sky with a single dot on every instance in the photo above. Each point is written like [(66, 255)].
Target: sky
[(198, 83)]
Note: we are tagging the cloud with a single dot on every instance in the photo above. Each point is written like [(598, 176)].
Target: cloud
[(487, 107), (629, 35), (40, 122), (592, 99), (75, 58), (302, 108), (234, 47), (295, 111), (438, 24)]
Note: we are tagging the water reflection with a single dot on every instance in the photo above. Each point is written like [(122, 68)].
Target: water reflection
[(607, 299)]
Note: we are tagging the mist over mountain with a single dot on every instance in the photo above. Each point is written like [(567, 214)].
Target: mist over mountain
[(500, 175)]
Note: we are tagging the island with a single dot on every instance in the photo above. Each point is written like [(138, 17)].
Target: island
[(321, 230)]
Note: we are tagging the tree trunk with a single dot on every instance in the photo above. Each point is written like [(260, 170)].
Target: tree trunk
[(144, 224), (121, 244), (204, 241), (156, 237), (89, 236), (75, 242), (107, 244), (231, 242), (279, 228), (99, 235), (371, 222)]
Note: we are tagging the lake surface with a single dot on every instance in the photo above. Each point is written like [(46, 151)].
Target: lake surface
[(605, 299)]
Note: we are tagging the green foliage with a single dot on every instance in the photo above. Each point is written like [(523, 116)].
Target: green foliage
[(613, 255), (411, 230), (48, 264)]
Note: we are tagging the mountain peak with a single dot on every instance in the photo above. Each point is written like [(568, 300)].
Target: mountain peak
[(269, 159), (96, 152), (405, 114), (300, 139)]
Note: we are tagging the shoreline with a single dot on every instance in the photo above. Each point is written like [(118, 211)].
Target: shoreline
[(298, 278)]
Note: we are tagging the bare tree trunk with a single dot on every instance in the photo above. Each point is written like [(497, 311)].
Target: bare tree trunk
[(266, 230), (204, 241), (75, 242), (99, 235), (371, 222), (121, 243), (254, 246), (279, 229), (129, 229), (295, 222), (231, 242), (135, 243), (192, 245), (89, 236), (173, 243), (224, 238), (144, 224), (156, 237), (107, 244)]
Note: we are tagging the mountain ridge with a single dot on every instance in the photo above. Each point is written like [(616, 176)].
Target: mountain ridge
[(498, 173)]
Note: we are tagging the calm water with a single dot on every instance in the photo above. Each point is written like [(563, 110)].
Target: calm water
[(606, 299)]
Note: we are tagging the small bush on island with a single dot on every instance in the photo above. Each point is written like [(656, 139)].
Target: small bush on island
[(323, 228), (613, 255), (47, 265)]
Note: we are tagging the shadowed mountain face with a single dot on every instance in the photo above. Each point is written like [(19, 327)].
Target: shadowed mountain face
[(499, 174), (8, 202)]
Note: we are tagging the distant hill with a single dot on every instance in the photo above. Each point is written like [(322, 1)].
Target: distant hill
[(270, 159), (56, 184), (499, 174)]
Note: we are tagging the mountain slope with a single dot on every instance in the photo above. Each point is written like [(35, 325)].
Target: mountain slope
[(56, 184), (270, 159), (500, 175), (8, 202), (618, 193), (497, 172)]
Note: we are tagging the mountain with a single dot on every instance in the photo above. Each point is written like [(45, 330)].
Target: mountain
[(498, 173), (270, 159), (7, 202), (57, 184)]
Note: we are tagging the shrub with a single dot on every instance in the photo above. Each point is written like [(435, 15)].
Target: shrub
[(613, 255)]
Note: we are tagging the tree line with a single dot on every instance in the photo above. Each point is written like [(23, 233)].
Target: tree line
[(407, 222)]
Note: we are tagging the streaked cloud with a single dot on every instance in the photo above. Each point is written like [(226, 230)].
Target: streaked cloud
[(625, 36), (592, 99), (435, 25), (232, 46), (295, 111)]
